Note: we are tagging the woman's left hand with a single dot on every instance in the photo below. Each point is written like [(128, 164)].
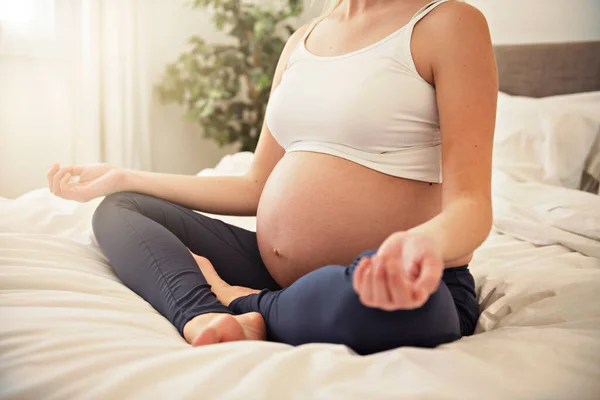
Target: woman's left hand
[(406, 270)]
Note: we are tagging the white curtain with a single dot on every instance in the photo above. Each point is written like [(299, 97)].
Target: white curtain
[(113, 85), (73, 87)]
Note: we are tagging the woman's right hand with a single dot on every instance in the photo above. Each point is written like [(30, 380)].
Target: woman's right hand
[(95, 180)]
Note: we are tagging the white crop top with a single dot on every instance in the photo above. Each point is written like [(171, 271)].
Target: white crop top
[(369, 106)]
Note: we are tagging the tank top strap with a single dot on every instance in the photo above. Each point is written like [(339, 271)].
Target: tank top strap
[(299, 51), (310, 28), (402, 52), (426, 9)]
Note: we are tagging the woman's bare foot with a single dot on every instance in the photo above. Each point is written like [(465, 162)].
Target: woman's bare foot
[(218, 328), (224, 292)]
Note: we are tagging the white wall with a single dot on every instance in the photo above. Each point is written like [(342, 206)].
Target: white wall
[(177, 145), (537, 21)]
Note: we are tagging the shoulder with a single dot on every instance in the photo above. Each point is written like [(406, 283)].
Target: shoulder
[(299, 33), (454, 22), (291, 44), (295, 38), (453, 30), (456, 17), (288, 49)]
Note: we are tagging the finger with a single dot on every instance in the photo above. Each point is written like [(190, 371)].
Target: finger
[(77, 170), (410, 258), (366, 290), (381, 297), (431, 273), (392, 288), (64, 185), (73, 190), (56, 180), (388, 289), (50, 175), (419, 297), (373, 285), (358, 277), (364, 275), (82, 192), (393, 245), (400, 291)]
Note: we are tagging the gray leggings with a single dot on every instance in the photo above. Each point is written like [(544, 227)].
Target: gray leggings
[(145, 240)]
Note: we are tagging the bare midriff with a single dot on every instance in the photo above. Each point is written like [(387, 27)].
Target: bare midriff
[(317, 210)]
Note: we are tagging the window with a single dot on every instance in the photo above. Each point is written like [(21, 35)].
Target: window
[(27, 27)]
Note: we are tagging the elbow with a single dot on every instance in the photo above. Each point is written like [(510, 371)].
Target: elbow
[(477, 217)]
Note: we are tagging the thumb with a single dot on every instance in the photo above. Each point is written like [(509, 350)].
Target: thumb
[(412, 260), (432, 268), (86, 191)]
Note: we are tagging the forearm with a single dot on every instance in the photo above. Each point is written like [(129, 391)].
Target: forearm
[(227, 195), (460, 228)]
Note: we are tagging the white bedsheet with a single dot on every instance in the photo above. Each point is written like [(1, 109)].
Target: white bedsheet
[(70, 330)]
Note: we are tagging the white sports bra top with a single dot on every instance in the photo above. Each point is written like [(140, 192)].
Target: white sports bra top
[(369, 106)]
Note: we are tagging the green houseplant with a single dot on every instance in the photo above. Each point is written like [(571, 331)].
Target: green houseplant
[(225, 87)]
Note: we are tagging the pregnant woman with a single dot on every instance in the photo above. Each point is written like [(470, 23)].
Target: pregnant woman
[(372, 105)]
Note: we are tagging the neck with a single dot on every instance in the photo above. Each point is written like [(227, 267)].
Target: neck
[(352, 8)]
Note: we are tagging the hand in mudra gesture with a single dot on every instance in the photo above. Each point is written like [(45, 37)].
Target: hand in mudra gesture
[(406, 270), (94, 180)]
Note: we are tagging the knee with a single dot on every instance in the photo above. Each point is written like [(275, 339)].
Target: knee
[(323, 307), (107, 213), (438, 319), (370, 330)]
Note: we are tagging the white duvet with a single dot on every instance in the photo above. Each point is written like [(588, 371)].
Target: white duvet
[(71, 330)]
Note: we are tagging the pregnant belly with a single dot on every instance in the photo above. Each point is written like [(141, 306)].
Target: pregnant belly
[(318, 210)]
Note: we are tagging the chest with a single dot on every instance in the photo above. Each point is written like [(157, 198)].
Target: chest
[(363, 102)]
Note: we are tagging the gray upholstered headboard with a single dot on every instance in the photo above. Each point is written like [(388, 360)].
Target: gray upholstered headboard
[(540, 70)]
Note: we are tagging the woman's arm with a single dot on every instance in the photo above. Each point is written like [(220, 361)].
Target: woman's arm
[(227, 195), (408, 265), (466, 83)]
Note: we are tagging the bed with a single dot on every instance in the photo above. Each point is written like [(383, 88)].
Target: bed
[(69, 329)]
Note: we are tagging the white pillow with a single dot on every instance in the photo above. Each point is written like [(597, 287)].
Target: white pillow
[(546, 140), (230, 164), (592, 164)]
